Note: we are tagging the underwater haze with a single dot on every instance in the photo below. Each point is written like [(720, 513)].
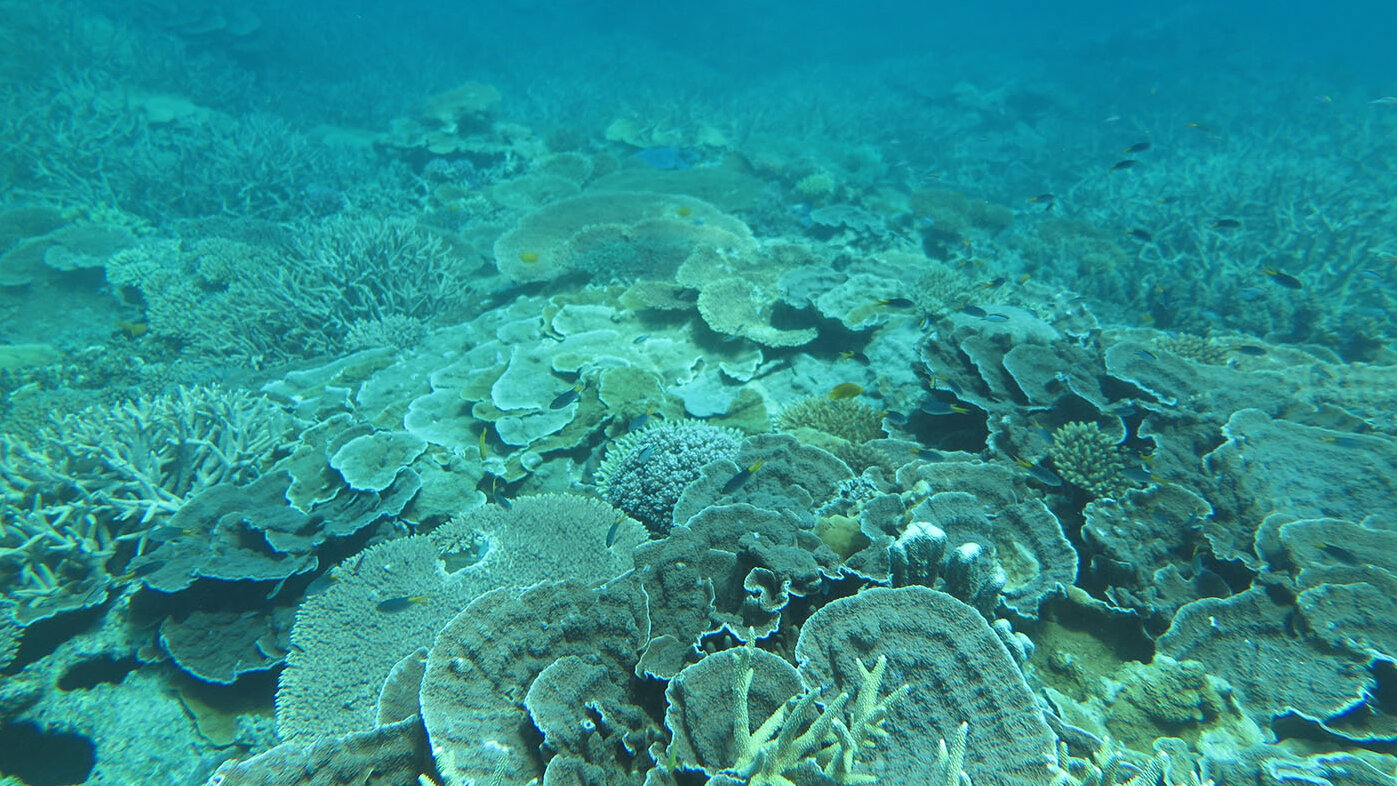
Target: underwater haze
[(565, 393)]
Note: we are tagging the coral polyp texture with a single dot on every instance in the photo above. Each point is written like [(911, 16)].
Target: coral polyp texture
[(645, 472), (484, 395)]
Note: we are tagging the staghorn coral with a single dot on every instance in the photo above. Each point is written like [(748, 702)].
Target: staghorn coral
[(796, 736), (645, 472), (1089, 459)]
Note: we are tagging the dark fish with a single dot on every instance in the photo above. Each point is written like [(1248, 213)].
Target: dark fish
[(996, 318), (144, 569), (500, 499), (946, 383), (567, 397), (1045, 476), (1284, 279), (1145, 354), (645, 454), (1227, 223), (320, 584), (1340, 553), (1141, 235), (394, 605), (736, 481), (1138, 147), (895, 418), (995, 283), (638, 422), (614, 531), (973, 311), (1124, 164), (164, 532), (927, 454), (641, 339), (935, 407), (1140, 475), (896, 302), (1046, 200), (1255, 350)]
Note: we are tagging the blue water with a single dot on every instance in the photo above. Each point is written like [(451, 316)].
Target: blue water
[(308, 308)]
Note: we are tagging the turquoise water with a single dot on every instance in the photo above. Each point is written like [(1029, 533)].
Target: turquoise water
[(755, 393)]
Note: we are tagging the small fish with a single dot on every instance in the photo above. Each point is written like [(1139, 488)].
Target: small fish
[(321, 583), (853, 354), (1141, 475), (845, 390), (895, 418), (1384, 101), (683, 212), (1046, 200), (1227, 223), (403, 603), (1255, 350), (927, 454), (1140, 235), (936, 407), (1322, 99), (946, 383), (1124, 164), (1343, 441), (567, 397), (1284, 279), (996, 318), (132, 329), (1023, 279), (641, 339), (735, 482), (484, 454), (614, 531), (896, 302), (1340, 553), (638, 422), (1046, 476), (1207, 129), (1138, 147), (528, 258), (995, 283), (645, 454), (165, 532), (1145, 354), (144, 569), (972, 311)]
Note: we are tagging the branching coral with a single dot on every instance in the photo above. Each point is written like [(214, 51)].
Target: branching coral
[(799, 731), (141, 459), (1089, 459), (350, 281)]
